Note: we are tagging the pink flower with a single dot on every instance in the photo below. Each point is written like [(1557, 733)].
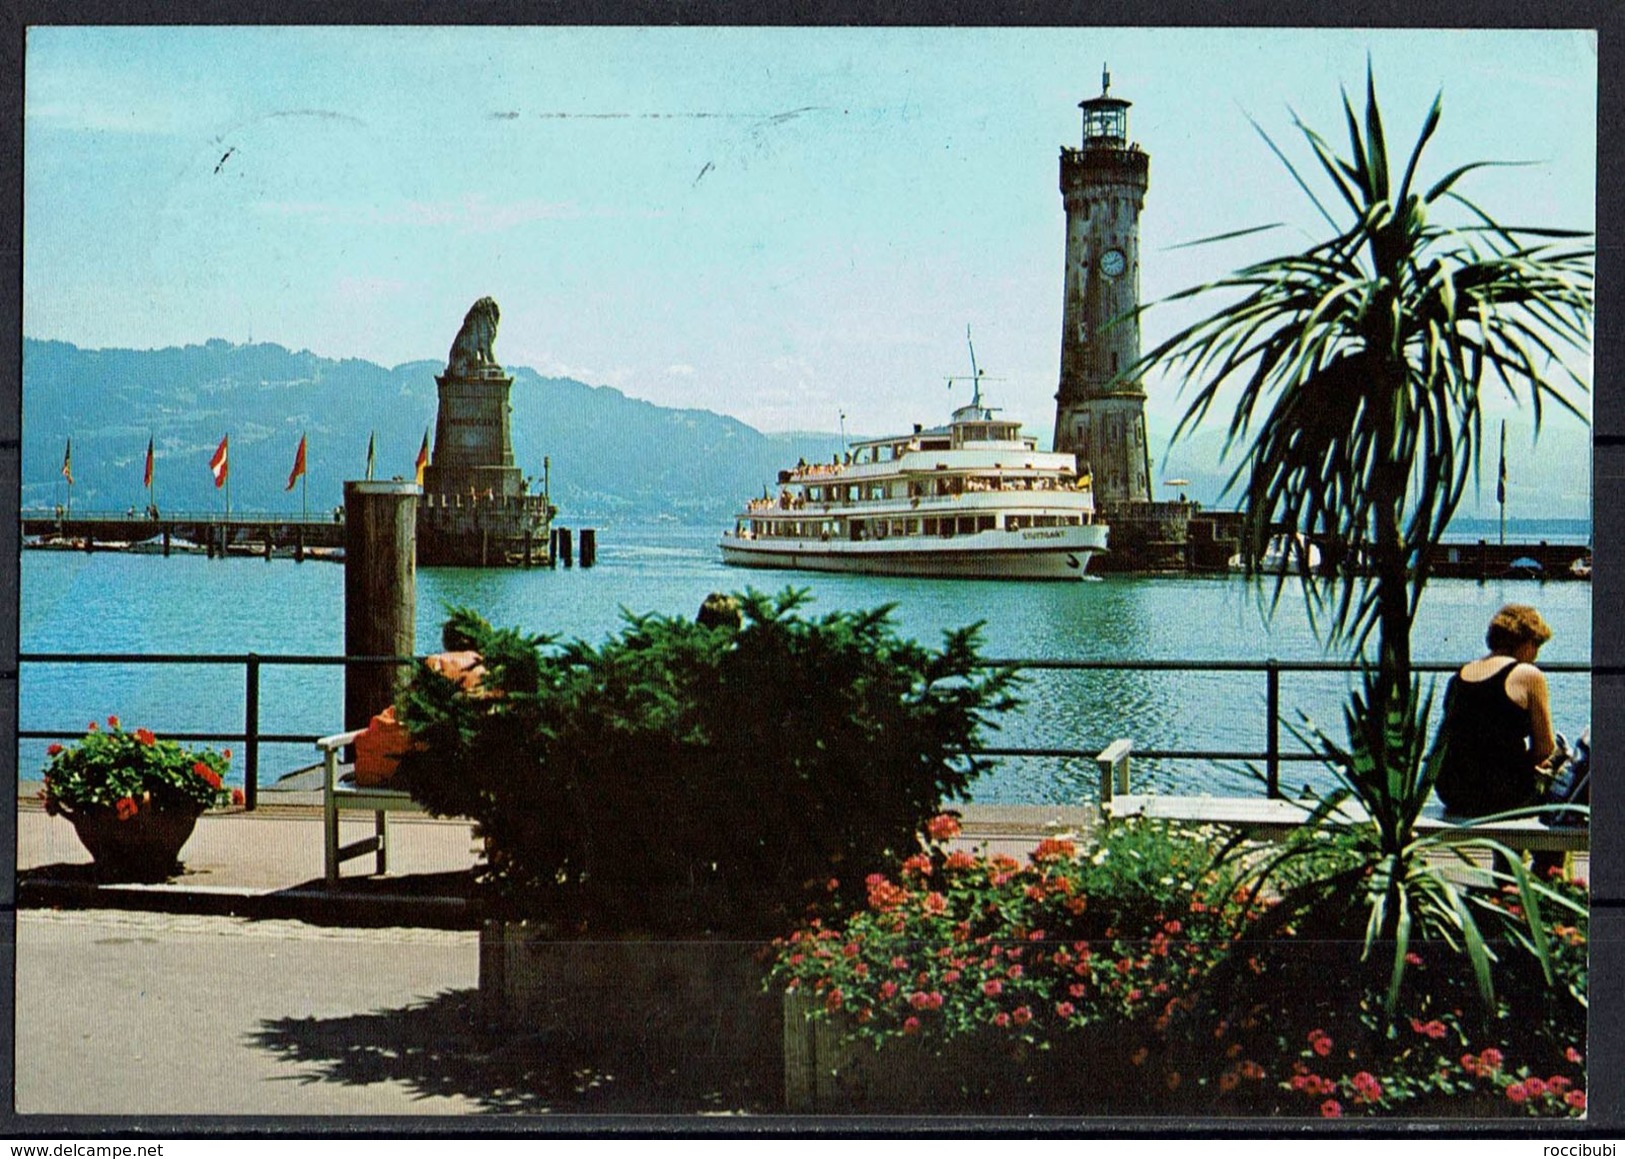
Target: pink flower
[(911, 1025), (1001, 1019), (1021, 1015), (1412, 958), (899, 963), (959, 859), (1173, 927), (919, 863), (1321, 1042), (943, 827), (993, 987), (1573, 1055), (950, 977), (888, 989), (1076, 989), (1368, 1086), (833, 884), (850, 950), (1065, 1009), (1490, 1059), (934, 903), (125, 808), (1576, 1099), (1013, 972), (1054, 849), (1517, 1093), (832, 1001), (1331, 1109), (1534, 1087)]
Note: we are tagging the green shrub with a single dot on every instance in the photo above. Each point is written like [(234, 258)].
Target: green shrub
[(686, 777)]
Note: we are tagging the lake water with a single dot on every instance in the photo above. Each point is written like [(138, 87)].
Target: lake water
[(109, 602)]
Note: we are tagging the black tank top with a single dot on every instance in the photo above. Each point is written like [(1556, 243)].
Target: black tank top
[(1486, 766)]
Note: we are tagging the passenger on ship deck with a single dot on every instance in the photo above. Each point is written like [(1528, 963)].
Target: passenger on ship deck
[(1497, 728)]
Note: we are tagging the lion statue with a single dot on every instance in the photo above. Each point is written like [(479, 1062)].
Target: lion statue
[(472, 347)]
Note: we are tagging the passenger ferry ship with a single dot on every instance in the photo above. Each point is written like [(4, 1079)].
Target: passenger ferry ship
[(975, 499)]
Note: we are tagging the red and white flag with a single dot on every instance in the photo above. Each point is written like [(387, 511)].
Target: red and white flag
[(218, 464), (146, 480), (67, 463), (298, 465)]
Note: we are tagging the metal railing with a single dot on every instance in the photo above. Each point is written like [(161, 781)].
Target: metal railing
[(1272, 755)]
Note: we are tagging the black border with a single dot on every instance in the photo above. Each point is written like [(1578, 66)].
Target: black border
[(1606, 1049)]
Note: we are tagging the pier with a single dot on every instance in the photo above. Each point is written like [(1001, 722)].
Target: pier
[(215, 533)]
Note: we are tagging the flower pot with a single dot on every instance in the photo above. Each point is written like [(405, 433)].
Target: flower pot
[(145, 846)]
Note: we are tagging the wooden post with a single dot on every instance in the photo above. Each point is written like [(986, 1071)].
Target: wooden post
[(299, 546), (529, 560), (166, 543), (380, 592), (589, 547), (564, 546)]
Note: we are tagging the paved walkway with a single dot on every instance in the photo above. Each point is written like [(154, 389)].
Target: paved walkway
[(245, 986), (129, 1013)]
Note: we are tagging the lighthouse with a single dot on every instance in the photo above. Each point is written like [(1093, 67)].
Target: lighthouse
[(1100, 406)]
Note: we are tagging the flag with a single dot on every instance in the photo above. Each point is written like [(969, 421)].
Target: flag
[(67, 463), (372, 447), (217, 463), (146, 479), (423, 456), (298, 465), (1501, 479)]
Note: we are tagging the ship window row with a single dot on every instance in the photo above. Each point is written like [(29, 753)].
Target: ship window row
[(904, 489), (859, 530)]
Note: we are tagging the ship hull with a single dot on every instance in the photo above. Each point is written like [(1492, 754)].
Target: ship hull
[(1037, 554)]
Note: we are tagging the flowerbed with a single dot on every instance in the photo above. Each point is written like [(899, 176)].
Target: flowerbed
[(1129, 978)]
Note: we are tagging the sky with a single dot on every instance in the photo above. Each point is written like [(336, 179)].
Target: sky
[(783, 225)]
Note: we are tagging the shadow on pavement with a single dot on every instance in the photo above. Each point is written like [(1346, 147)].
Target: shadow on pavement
[(439, 1047)]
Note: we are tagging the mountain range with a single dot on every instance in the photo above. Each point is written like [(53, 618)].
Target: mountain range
[(611, 457)]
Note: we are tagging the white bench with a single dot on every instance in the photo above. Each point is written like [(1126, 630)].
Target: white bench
[(1274, 817), (340, 792)]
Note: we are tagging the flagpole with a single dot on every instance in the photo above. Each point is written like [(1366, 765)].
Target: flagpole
[(304, 485), (1501, 483), (228, 480)]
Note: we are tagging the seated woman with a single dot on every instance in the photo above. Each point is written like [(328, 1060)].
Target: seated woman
[(1497, 726)]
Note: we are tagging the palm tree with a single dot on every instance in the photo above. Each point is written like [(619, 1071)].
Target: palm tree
[(1360, 365), (1362, 362)]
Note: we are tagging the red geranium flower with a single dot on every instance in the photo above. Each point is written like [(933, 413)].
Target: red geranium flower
[(126, 808), (52, 750), (1576, 1099), (237, 797), (1517, 1093), (1001, 1019), (226, 753), (1490, 1059), (934, 903), (1021, 1015), (210, 777), (112, 722), (91, 727), (992, 987), (1573, 1055), (1331, 1109), (943, 827), (144, 736), (1065, 1009), (911, 1025)]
